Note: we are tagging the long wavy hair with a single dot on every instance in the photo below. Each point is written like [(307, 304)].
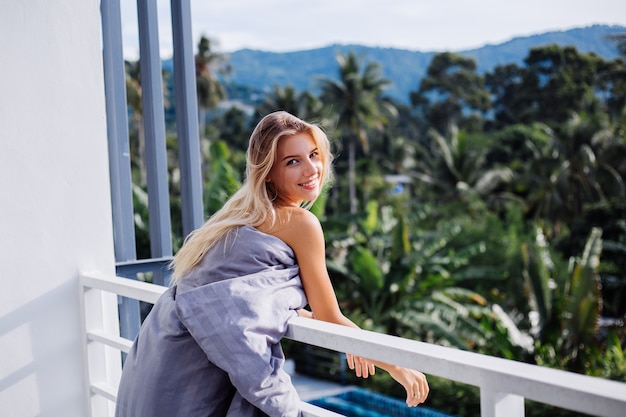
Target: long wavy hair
[(252, 204)]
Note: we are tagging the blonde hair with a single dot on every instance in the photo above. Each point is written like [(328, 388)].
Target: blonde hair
[(252, 204)]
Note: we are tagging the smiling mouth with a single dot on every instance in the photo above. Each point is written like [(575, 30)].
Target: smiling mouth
[(309, 184)]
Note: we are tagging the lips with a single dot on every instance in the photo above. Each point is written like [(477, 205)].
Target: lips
[(310, 184)]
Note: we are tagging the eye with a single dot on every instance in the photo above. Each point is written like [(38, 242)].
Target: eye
[(314, 154), (292, 161)]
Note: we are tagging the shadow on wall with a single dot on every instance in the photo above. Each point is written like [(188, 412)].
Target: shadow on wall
[(50, 359)]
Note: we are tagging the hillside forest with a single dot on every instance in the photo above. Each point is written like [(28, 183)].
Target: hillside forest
[(487, 214)]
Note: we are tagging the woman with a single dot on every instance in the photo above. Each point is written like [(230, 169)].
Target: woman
[(237, 281)]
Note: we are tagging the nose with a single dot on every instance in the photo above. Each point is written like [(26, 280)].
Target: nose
[(311, 168)]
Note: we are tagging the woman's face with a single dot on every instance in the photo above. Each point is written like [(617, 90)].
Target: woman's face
[(296, 174)]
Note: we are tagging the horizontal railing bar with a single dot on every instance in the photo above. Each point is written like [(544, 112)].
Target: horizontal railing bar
[(148, 293), (596, 396), (567, 390), (150, 261), (105, 391), (116, 342), (125, 287), (143, 265)]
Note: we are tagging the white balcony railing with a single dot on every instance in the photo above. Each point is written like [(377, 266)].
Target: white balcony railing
[(504, 384)]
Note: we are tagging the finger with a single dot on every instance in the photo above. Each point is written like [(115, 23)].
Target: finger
[(413, 395), (411, 399), (416, 393), (424, 389), (350, 360), (367, 368), (356, 365), (364, 368), (420, 391)]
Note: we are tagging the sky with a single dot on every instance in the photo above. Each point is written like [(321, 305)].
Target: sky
[(417, 25)]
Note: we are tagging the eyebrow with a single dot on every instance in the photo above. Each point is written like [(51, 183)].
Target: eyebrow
[(296, 156)]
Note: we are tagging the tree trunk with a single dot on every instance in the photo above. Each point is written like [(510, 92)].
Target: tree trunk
[(352, 176)]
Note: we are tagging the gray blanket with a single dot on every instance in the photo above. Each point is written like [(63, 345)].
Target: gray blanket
[(210, 346)]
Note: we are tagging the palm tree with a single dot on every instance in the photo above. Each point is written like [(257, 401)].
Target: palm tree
[(455, 167), (210, 90), (578, 168), (562, 302), (304, 105), (356, 100)]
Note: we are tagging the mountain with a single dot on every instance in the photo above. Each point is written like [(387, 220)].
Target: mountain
[(259, 71)]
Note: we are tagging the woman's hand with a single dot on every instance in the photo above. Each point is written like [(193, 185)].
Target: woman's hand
[(414, 382), (361, 366)]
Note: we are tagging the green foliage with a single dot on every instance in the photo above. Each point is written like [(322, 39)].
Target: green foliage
[(223, 180), (396, 277), (453, 397), (454, 167), (303, 105), (364, 265), (460, 97), (356, 100), (581, 307), (319, 207), (449, 317), (519, 144), (566, 329), (555, 83), (209, 64), (473, 265), (141, 219), (611, 218), (535, 409), (537, 274), (491, 247), (610, 363)]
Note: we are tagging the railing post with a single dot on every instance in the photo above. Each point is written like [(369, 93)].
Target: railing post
[(102, 363), (500, 404), (119, 152), (130, 317), (154, 126), (187, 117), (117, 131)]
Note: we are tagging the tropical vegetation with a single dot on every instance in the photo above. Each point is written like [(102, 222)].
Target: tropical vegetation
[(489, 214)]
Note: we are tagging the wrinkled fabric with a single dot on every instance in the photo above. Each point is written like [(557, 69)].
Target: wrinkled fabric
[(210, 346)]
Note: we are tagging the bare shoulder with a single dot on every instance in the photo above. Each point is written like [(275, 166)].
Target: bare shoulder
[(298, 227)]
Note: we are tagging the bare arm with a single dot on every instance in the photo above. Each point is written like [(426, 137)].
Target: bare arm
[(305, 236)]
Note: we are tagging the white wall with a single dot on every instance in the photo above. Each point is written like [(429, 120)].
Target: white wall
[(55, 215)]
